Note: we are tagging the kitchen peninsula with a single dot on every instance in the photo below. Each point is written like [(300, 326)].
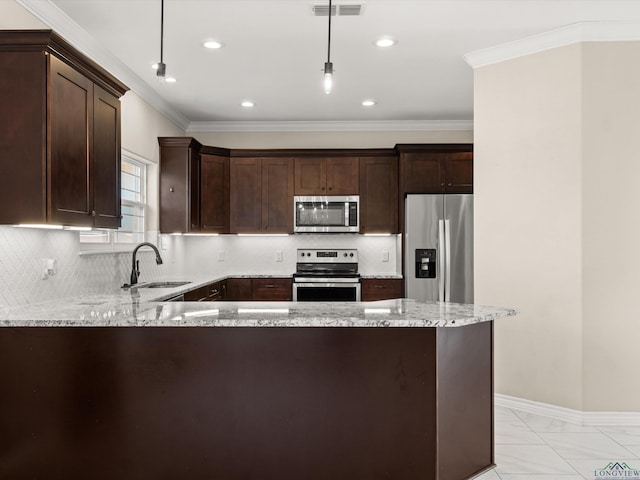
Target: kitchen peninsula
[(394, 389)]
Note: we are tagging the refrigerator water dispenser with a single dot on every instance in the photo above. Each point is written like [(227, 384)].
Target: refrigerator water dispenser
[(425, 263)]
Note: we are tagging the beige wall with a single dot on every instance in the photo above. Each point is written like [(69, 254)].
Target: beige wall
[(556, 222), (611, 226), (528, 221), (141, 126), (329, 139), (15, 17)]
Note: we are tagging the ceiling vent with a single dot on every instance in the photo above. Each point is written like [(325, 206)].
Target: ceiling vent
[(351, 10)]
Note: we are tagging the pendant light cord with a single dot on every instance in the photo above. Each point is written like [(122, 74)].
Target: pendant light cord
[(161, 30), (329, 43)]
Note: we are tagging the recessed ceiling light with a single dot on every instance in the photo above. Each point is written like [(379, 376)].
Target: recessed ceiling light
[(247, 104), (213, 44), (385, 42), (368, 103), (170, 80)]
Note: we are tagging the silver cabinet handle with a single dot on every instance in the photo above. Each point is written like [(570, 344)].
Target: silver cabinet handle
[(441, 270)]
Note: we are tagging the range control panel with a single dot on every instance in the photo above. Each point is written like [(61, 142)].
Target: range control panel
[(339, 255), (425, 263)]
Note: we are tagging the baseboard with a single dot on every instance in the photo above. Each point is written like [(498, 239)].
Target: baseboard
[(569, 415)]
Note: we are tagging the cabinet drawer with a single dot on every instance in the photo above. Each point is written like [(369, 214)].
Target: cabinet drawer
[(271, 289), (216, 291), (198, 295), (381, 289)]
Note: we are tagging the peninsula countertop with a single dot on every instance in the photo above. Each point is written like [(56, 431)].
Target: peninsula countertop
[(144, 307)]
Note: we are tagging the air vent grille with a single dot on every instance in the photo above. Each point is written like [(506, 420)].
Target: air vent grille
[(351, 10)]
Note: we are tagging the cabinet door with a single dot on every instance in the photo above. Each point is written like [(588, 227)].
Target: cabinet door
[(381, 289), (310, 176), (277, 195), (217, 291), (379, 195), (106, 159), (179, 186), (239, 290), (214, 193), (246, 195), (272, 289), (423, 172), (342, 176), (459, 172), (70, 115)]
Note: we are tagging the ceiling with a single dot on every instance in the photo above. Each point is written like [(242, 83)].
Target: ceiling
[(274, 51)]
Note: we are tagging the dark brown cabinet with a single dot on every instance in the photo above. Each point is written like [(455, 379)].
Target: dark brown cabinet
[(59, 132), (268, 289), (373, 289), (239, 290), (214, 193), (179, 185), (379, 194), (261, 195), (271, 289), (212, 292), (327, 176), (438, 168)]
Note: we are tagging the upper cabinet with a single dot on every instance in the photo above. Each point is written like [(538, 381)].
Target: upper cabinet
[(436, 168), (59, 134), (261, 195), (336, 175), (379, 194), (214, 193), (179, 185)]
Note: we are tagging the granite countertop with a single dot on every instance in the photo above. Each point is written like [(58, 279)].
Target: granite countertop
[(138, 307)]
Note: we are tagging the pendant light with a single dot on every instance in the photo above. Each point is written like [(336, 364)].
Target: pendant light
[(162, 68), (328, 66)]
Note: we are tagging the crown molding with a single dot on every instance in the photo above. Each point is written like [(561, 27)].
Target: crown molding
[(574, 33), (331, 126), (80, 39)]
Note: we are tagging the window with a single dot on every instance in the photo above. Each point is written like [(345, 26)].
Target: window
[(133, 191)]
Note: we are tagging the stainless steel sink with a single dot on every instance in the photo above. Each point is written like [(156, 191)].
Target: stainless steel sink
[(161, 284)]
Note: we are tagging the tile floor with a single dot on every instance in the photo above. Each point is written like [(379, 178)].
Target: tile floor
[(534, 447)]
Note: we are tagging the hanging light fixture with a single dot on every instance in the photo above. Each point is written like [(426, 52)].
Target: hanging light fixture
[(328, 66), (162, 68)]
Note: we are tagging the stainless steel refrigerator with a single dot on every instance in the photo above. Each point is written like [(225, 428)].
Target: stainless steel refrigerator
[(439, 248)]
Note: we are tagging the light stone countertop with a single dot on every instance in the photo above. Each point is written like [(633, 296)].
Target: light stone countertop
[(141, 307)]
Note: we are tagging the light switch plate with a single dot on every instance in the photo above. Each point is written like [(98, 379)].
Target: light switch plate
[(221, 256), (278, 255), (385, 255)]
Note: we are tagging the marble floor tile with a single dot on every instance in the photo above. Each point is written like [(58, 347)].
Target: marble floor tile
[(504, 414), (530, 459), (540, 423), (515, 433), (522, 476), (585, 445), (488, 475), (623, 435), (587, 467)]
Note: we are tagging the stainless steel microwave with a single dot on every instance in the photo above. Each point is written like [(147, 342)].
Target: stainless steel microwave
[(326, 214)]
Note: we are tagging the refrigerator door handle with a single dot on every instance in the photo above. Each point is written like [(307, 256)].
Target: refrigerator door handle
[(447, 265), (442, 260)]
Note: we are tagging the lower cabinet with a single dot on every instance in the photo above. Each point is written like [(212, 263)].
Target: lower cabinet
[(269, 289), (208, 293), (380, 289)]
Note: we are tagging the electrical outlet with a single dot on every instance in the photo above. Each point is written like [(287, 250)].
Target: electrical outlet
[(278, 255), (385, 255), (221, 256)]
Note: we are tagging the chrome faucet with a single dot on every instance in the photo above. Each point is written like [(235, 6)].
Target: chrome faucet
[(135, 264)]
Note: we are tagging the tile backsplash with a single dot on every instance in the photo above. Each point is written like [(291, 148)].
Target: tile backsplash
[(22, 252)]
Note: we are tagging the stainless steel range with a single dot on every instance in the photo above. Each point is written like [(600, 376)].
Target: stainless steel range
[(326, 276)]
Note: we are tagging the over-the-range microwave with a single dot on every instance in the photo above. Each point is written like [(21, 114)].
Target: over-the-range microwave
[(326, 214)]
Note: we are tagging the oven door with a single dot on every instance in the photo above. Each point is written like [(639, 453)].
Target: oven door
[(326, 292)]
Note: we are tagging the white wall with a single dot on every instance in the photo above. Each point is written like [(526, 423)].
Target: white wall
[(556, 208)]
